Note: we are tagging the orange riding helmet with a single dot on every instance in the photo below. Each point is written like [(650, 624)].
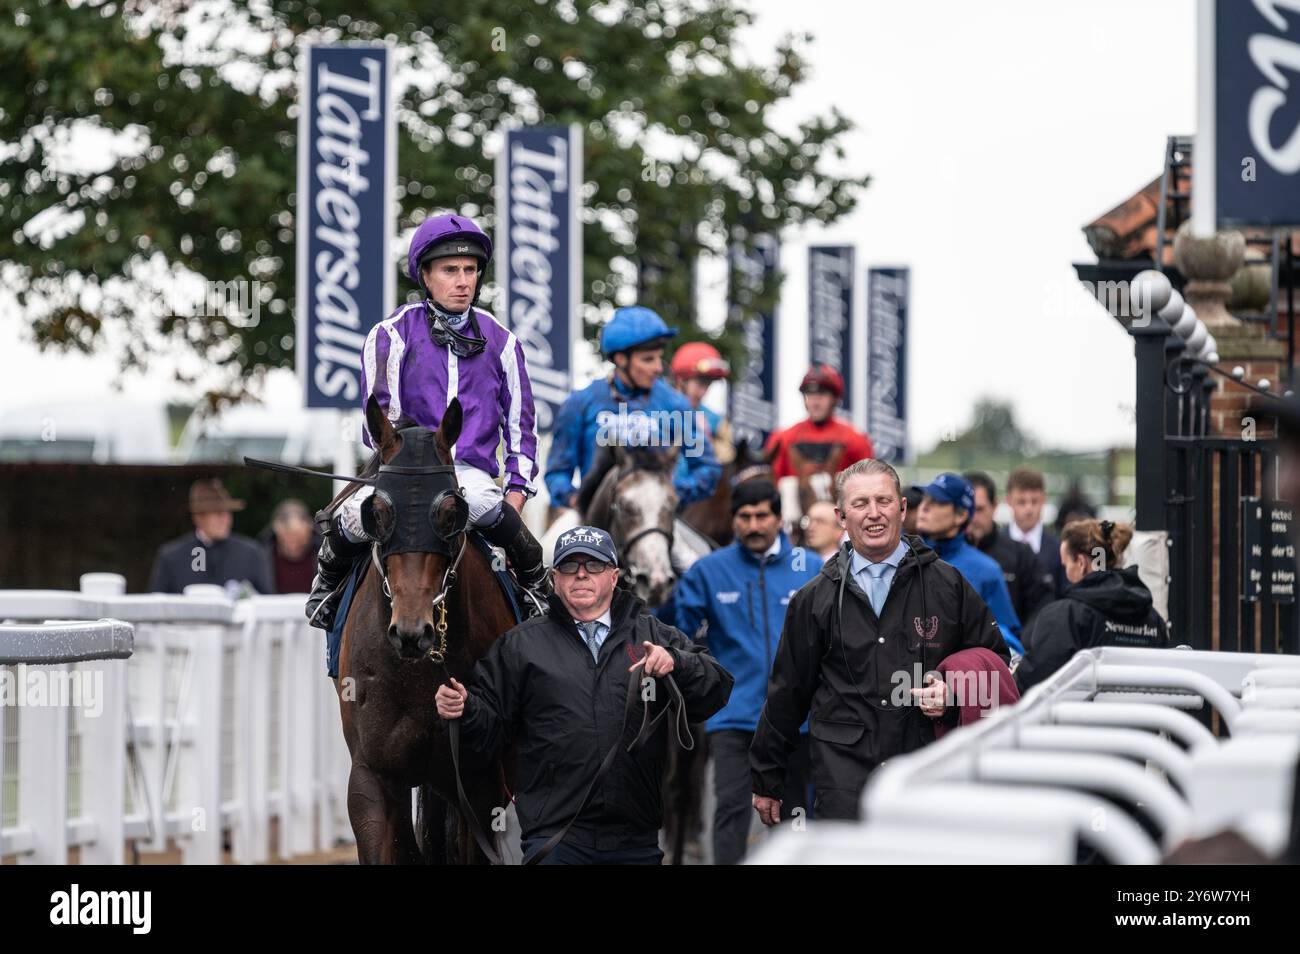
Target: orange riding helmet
[(696, 359)]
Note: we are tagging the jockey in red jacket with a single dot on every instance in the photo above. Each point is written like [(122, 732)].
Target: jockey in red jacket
[(823, 443)]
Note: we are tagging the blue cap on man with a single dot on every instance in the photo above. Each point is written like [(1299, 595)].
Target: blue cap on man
[(588, 541), (953, 489)]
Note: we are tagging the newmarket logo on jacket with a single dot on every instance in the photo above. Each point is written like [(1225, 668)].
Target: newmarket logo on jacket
[(1143, 631)]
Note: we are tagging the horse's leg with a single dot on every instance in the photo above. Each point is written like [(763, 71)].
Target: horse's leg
[(698, 767), (486, 798), (431, 830), (406, 850), (381, 819), (369, 812)]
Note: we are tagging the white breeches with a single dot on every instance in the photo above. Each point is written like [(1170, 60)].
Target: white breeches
[(482, 493)]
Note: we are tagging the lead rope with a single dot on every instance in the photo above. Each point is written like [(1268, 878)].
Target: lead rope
[(681, 723), (438, 655)]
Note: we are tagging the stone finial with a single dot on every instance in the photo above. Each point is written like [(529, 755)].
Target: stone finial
[(1209, 265)]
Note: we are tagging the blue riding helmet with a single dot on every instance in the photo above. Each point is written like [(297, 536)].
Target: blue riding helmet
[(630, 327)]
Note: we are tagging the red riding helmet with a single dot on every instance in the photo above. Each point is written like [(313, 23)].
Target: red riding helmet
[(696, 359), (822, 377)]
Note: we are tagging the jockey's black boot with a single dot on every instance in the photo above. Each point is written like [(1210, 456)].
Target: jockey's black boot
[(333, 563), (522, 549)]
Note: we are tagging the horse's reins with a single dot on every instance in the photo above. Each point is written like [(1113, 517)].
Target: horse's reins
[(438, 654), (681, 724)]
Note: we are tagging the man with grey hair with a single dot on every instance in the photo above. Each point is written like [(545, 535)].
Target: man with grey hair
[(859, 649), (291, 542)]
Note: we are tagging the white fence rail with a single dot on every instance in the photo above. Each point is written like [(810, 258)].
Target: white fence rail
[(220, 731), (1084, 759)]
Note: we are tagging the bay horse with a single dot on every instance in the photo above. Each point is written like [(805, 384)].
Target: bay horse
[(712, 516), (410, 628)]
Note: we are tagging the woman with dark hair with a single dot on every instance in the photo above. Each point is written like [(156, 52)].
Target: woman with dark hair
[(1103, 605)]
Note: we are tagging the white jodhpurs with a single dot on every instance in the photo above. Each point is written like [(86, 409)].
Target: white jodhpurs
[(482, 493)]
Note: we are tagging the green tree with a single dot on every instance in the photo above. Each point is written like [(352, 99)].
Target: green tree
[(203, 100), (993, 427)]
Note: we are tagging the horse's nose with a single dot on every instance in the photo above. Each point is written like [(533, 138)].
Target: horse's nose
[(656, 587), (411, 640)]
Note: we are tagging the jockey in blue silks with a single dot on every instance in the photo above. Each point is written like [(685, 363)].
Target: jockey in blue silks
[(634, 406)]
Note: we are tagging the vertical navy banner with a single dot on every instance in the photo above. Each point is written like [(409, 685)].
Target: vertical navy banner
[(539, 255), (1256, 113), (830, 319), (887, 290), (347, 161), (753, 394)]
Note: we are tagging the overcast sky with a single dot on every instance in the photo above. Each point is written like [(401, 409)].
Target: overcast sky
[(993, 132)]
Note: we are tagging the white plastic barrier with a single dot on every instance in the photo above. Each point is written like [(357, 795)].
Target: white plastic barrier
[(62, 756), (228, 725), (1109, 723)]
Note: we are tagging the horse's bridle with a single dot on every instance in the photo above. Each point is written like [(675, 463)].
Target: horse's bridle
[(438, 652), (625, 546), (631, 541)]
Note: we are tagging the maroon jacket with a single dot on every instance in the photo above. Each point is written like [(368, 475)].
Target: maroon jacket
[(980, 682)]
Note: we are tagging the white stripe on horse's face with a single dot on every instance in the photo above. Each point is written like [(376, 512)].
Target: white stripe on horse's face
[(646, 500)]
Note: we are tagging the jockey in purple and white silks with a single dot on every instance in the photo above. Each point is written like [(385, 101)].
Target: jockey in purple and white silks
[(414, 363)]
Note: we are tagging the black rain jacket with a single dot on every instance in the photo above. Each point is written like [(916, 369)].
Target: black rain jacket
[(539, 686), (1105, 608), (854, 671)]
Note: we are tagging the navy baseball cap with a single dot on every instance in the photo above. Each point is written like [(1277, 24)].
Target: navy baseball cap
[(951, 488), (590, 541)]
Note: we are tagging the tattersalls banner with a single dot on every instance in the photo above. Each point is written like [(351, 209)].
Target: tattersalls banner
[(347, 160), (539, 255), (831, 337), (753, 394), (887, 290)]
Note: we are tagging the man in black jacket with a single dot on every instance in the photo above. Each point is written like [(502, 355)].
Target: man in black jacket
[(558, 687), (210, 553), (1026, 496), (1030, 590), (859, 649)]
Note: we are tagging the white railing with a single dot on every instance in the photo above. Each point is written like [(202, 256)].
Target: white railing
[(1106, 740), (221, 729), (61, 753)]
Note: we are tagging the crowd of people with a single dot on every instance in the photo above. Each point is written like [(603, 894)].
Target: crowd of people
[(813, 646), (282, 559)]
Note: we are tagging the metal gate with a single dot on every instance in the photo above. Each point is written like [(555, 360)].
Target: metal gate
[(1231, 559)]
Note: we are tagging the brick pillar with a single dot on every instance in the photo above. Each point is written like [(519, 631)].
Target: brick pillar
[(1248, 347), (1209, 265)]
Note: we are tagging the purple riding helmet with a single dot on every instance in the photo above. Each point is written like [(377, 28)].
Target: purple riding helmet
[(444, 236)]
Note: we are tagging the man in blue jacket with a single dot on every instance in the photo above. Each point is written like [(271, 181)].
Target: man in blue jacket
[(633, 407), (945, 511), (735, 599)]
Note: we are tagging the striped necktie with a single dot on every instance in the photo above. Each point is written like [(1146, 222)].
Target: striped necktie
[(591, 633)]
